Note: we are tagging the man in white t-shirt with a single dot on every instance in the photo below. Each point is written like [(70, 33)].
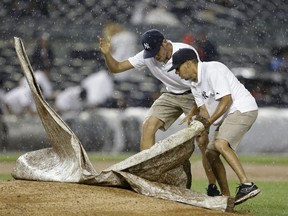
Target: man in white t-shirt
[(71, 99), (224, 102), (177, 99), (20, 100), (99, 86)]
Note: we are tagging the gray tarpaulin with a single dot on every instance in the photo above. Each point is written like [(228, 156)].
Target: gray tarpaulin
[(156, 172)]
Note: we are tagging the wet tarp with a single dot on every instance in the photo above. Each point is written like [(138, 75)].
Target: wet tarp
[(156, 172)]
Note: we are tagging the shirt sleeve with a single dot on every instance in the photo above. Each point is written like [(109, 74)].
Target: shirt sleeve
[(219, 81), (137, 61)]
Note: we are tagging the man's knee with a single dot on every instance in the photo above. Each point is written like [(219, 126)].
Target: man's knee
[(221, 145), (211, 155), (152, 124), (202, 141)]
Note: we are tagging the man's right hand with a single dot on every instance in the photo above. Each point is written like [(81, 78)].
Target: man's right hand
[(104, 46), (113, 65)]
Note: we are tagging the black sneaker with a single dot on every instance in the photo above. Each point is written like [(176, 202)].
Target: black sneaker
[(212, 190), (246, 192)]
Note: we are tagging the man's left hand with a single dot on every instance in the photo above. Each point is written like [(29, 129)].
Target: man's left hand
[(204, 121)]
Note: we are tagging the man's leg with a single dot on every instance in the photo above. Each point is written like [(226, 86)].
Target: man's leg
[(232, 159), (246, 189), (202, 141), (218, 170), (228, 138), (149, 129)]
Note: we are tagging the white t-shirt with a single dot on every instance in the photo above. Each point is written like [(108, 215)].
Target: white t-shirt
[(99, 87), (42, 80), (170, 79), (69, 100), (215, 81), (20, 98)]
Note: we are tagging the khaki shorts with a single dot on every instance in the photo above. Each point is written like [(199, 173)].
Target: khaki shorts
[(168, 107), (233, 128)]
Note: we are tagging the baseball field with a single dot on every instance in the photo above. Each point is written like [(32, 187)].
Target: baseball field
[(18, 197)]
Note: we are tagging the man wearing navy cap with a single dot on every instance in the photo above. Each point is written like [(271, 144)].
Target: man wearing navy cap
[(224, 102), (177, 98)]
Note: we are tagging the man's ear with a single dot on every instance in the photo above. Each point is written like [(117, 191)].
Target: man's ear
[(190, 63), (194, 63)]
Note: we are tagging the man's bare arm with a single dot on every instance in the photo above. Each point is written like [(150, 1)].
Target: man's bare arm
[(203, 112), (113, 65), (223, 106)]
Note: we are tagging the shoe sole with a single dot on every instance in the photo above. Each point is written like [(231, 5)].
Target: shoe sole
[(248, 196)]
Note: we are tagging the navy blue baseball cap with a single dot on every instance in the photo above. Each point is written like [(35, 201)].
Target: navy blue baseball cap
[(151, 41), (181, 56)]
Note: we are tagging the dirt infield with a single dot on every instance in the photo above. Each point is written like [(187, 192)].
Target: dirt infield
[(47, 198), (52, 198)]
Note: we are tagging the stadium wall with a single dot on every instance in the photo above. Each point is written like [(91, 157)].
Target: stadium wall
[(115, 131)]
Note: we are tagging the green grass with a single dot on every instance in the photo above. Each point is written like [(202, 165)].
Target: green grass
[(265, 159), (259, 159), (272, 201), (9, 157), (6, 176), (12, 157)]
